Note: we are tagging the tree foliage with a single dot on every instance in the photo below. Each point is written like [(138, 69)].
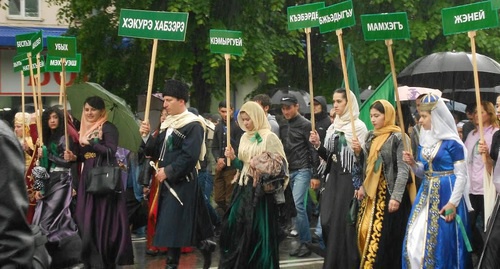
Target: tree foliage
[(272, 54)]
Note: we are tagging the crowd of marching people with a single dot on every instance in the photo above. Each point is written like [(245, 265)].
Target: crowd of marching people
[(391, 197)]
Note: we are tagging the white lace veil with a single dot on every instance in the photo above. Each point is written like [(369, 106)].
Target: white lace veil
[(443, 127)]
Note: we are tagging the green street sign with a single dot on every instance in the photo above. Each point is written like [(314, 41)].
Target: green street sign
[(227, 42), (64, 47), (26, 68), (469, 18), (304, 16), (495, 4), (19, 61), (385, 26), (153, 25), (73, 65), (336, 17), (37, 43), (23, 43)]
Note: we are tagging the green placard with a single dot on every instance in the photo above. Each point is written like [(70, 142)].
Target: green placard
[(37, 43), (23, 43), (304, 16), (495, 4), (64, 47), (227, 42), (336, 17), (73, 65), (469, 18), (153, 25), (19, 61), (26, 68), (385, 26)]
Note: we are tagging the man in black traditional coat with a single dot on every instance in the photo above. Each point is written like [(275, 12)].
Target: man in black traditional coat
[(178, 149)]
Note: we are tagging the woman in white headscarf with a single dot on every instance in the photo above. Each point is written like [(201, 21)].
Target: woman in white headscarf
[(342, 183), (436, 234), (250, 228)]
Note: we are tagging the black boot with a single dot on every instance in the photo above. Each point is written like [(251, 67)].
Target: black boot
[(206, 248), (173, 258)]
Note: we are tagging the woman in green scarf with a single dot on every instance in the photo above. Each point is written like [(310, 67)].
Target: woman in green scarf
[(384, 211), (249, 237)]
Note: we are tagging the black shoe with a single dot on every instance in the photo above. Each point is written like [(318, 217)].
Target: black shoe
[(301, 251), (315, 238), (316, 248), (206, 248)]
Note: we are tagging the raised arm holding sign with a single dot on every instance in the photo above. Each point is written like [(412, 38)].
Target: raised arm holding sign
[(306, 16), (387, 27), (227, 42), (335, 18), (152, 25)]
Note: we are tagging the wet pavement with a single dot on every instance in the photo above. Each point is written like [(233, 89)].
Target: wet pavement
[(194, 259)]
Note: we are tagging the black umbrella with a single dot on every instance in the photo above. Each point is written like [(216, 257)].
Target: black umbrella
[(301, 95), (451, 70), (154, 110)]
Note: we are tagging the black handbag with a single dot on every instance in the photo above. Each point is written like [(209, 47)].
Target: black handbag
[(104, 179), (352, 213)]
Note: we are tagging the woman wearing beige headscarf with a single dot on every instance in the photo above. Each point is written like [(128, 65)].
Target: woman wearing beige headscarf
[(249, 236), (23, 134)]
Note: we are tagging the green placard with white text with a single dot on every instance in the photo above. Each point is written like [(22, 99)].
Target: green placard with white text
[(23, 43), (37, 43), (336, 17), (73, 65), (304, 16), (153, 24), (26, 68), (64, 47), (19, 61), (227, 42), (470, 17), (385, 26)]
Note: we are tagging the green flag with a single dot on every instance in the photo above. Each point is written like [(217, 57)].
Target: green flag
[(351, 74), (384, 91)]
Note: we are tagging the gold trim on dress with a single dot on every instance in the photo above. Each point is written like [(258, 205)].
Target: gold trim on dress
[(370, 226), (89, 155)]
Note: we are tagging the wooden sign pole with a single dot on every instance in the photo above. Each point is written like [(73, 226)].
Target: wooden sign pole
[(23, 109), (346, 81), (35, 99), (40, 104), (388, 43), (150, 81), (228, 105), (64, 102), (309, 69)]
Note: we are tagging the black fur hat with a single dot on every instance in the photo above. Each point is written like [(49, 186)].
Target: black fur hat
[(176, 89)]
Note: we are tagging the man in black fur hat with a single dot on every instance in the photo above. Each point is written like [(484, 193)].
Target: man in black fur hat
[(178, 149)]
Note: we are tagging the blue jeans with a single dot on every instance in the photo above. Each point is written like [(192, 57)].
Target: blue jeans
[(300, 181), (319, 232)]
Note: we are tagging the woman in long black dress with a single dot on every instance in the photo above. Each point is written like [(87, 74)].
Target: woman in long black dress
[(52, 211), (343, 181)]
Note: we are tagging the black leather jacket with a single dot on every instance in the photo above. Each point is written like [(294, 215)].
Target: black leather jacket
[(299, 151), (16, 238)]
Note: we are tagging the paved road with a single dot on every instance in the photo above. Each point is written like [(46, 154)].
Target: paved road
[(194, 260)]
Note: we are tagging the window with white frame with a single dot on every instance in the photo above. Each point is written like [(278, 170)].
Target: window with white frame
[(29, 9)]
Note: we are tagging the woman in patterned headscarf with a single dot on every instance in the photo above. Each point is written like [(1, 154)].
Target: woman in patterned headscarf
[(385, 209), (249, 237)]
